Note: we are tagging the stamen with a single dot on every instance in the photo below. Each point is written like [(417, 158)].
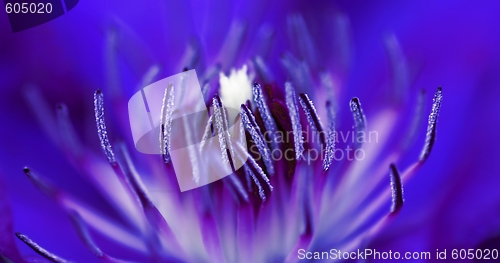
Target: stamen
[(40, 250), (255, 170), (251, 126), (193, 154), (84, 234), (298, 71), (396, 189), (299, 34), (264, 36), (432, 124), (211, 73), (67, 130), (399, 67), (207, 133), (150, 75), (327, 82), (100, 223), (225, 119), (343, 38), (292, 66), (43, 112), (153, 215), (232, 43), (191, 55), (182, 86), (312, 116), (262, 194), (247, 170), (112, 62), (248, 175), (417, 117), (219, 126), (291, 103), (133, 178), (267, 118), (359, 120), (205, 89), (41, 183), (330, 141), (263, 70), (167, 109), (222, 126), (101, 127), (236, 182), (243, 138)]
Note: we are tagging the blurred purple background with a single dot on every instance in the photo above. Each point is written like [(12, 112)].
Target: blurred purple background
[(454, 200)]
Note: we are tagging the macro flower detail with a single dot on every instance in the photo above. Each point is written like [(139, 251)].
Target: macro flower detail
[(166, 123), (320, 172), (248, 219)]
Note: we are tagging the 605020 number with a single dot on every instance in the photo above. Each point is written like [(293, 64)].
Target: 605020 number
[(31, 8), (474, 254)]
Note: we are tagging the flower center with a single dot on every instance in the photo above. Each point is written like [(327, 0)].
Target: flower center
[(235, 90)]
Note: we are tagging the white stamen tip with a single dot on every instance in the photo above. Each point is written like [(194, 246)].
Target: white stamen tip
[(236, 88)]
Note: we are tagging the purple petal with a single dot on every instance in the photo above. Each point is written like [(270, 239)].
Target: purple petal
[(8, 247)]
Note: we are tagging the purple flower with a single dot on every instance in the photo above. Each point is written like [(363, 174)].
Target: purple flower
[(336, 124)]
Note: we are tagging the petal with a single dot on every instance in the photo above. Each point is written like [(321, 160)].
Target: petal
[(8, 247)]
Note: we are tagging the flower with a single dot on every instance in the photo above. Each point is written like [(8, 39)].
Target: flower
[(312, 201)]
